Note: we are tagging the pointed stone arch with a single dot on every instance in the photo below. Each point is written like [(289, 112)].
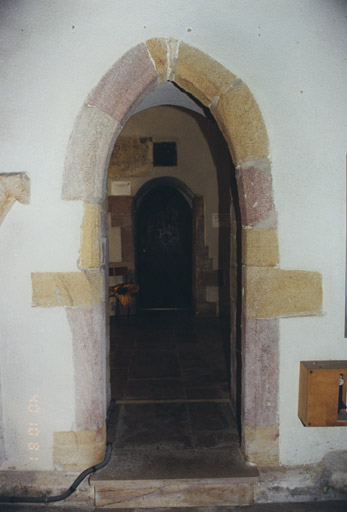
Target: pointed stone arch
[(268, 291)]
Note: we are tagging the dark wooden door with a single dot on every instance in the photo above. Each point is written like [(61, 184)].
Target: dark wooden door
[(164, 244)]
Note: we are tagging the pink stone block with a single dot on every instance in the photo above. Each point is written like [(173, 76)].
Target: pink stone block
[(255, 194), (125, 85), (260, 377), (88, 327)]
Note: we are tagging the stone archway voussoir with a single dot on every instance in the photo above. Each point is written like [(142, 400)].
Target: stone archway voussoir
[(254, 182), (125, 85), (194, 71), (88, 153), (200, 75), (242, 124)]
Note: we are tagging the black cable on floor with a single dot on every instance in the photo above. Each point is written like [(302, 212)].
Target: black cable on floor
[(76, 483)]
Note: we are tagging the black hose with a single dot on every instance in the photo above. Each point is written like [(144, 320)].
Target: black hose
[(76, 483), (79, 479), (66, 494)]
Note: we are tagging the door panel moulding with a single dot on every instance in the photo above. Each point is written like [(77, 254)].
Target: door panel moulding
[(101, 119)]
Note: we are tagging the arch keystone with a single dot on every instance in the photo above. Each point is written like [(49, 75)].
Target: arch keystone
[(158, 50)]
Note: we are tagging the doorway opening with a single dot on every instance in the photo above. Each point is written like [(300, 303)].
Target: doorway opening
[(143, 72), (173, 367), (164, 248)]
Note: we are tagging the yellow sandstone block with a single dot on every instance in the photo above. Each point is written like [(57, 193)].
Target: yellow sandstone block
[(158, 50), (260, 247), (241, 122), (273, 292), (260, 445), (200, 75), (90, 252), (50, 289), (76, 451)]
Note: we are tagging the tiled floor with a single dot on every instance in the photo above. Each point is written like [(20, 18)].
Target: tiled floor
[(167, 357), (172, 416)]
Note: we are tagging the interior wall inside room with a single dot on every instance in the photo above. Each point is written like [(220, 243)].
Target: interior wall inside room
[(203, 165)]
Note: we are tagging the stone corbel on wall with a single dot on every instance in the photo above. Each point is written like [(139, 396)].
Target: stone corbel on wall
[(13, 187)]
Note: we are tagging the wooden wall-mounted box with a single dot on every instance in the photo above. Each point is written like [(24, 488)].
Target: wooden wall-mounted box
[(322, 393)]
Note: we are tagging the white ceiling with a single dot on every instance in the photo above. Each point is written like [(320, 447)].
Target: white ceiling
[(168, 94)]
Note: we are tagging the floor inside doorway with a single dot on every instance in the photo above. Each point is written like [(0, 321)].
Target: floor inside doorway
[(172, 417)]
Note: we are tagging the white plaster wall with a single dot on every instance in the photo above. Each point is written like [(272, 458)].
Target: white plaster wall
[(35, 343), (292, 55)]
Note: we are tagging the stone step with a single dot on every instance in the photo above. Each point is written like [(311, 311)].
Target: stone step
[(174, 492)]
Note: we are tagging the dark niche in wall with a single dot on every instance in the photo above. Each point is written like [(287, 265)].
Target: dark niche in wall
[(164, 154)]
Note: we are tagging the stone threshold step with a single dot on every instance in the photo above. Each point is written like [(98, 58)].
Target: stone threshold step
[(178, 401), (174, 401), (174, 492), (313, 506)]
